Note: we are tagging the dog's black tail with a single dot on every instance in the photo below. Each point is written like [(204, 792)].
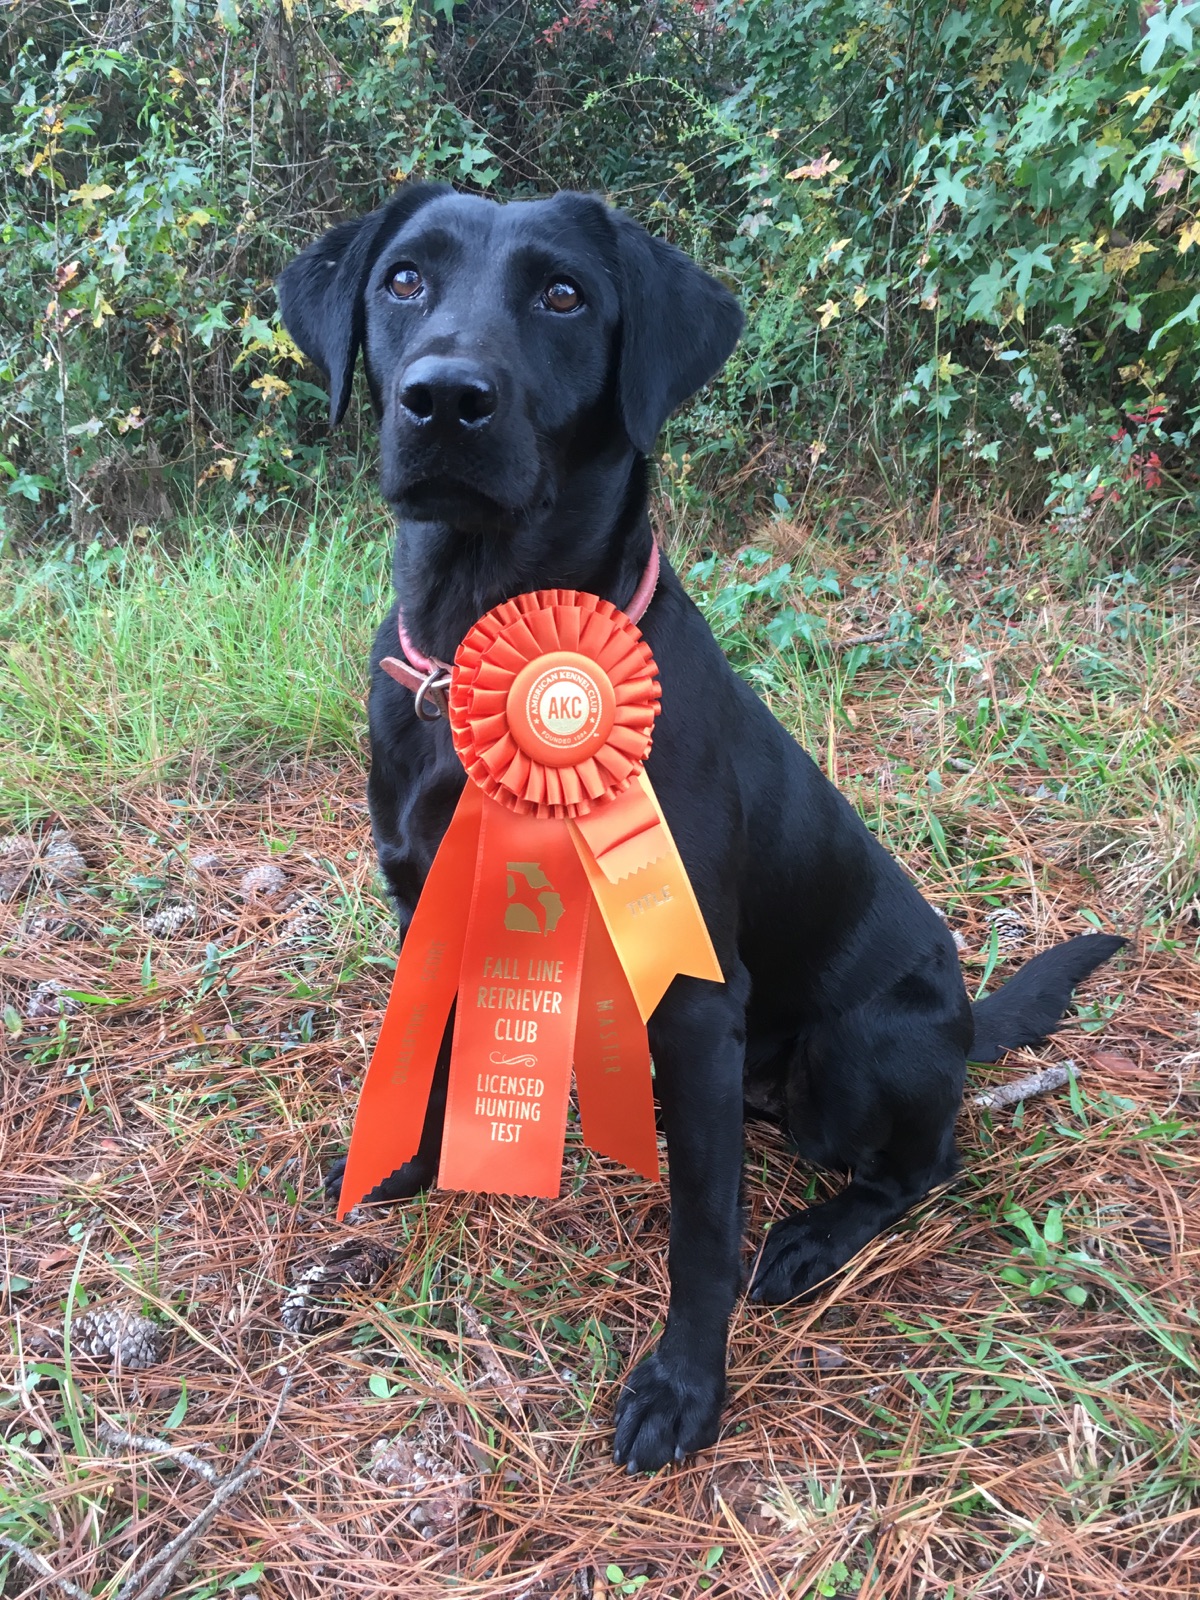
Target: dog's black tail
[(1030, 1005)]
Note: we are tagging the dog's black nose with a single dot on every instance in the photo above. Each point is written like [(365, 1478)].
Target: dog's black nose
[(449, 392)]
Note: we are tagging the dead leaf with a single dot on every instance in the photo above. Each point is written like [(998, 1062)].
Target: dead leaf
[(820, 168), (56, 1258), (1110, 1061)]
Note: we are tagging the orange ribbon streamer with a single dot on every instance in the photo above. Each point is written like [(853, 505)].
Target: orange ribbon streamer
[(510, 1065), (557, 909)]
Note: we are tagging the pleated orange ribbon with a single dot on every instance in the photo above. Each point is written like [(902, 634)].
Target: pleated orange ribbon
[(557, 910)]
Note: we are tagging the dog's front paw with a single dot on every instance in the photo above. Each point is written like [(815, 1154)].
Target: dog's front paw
[(798, 1254), (666, 1411), (405, 1182), (332, 1182)]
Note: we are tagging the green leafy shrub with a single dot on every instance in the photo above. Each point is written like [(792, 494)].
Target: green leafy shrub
[(156, 177), (967, 237)]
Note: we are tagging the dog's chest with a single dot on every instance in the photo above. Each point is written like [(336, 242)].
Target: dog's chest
[(412, 802)]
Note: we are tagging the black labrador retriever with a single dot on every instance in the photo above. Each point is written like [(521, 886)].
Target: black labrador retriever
[(522, 360)]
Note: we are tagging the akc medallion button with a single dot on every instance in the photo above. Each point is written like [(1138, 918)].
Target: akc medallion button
[(561, 708), (552, 703)]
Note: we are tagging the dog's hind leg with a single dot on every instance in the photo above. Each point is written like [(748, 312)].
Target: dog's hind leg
[(420, 1172), (878, 1099)]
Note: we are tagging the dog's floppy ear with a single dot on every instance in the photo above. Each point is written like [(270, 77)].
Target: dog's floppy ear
[(321, 291), (678, 329)]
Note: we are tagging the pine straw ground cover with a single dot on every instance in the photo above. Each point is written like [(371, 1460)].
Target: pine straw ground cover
[(997, 1399)]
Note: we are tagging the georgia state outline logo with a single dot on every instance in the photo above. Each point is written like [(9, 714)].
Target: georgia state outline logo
[(534, 905)]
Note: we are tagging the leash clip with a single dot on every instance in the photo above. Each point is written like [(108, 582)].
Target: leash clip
[(431, 704)]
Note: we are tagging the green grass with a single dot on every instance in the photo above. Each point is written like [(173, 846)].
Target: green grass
[(997, 684), (999, 693), (131, 664)]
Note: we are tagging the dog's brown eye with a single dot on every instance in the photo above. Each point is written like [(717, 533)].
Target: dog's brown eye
[(405, 282), (562, 295)]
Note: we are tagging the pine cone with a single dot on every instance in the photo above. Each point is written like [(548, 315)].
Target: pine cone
[(42, 925), (312, 1304), (266, 879), (16, 863), (416, 1469), (62, 861), (170, 920), (131, 1340), (47, 1001), (305, 920), (1011, 929)]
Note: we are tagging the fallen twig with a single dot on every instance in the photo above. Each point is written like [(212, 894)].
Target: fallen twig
[(1010, 1094), (852, 639), (137, 1441), (510, 1391), (161, 1568), (38, 1564), (157, 1572)]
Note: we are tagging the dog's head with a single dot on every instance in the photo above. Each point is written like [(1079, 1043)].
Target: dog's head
[(507, 347)]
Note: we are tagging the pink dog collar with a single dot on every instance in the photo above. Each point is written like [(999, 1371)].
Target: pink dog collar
[(429, 678)]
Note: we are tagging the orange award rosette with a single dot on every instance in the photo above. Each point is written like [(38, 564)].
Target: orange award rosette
[(557, 910)]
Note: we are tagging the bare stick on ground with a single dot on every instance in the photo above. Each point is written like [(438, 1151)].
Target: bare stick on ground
[(1011, 1094), (509, 1390), (112, 1435), (156, 1573), (150, 1580), (35, 1563)]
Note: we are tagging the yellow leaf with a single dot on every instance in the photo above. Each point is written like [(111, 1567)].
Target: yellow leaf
[(399, 27), (1134, 95), (271, 387), (829, 311), (175, 76), (1126, 258), (820, 168), (859, 297), (285, 348), (91, 192), (1189, 235)]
